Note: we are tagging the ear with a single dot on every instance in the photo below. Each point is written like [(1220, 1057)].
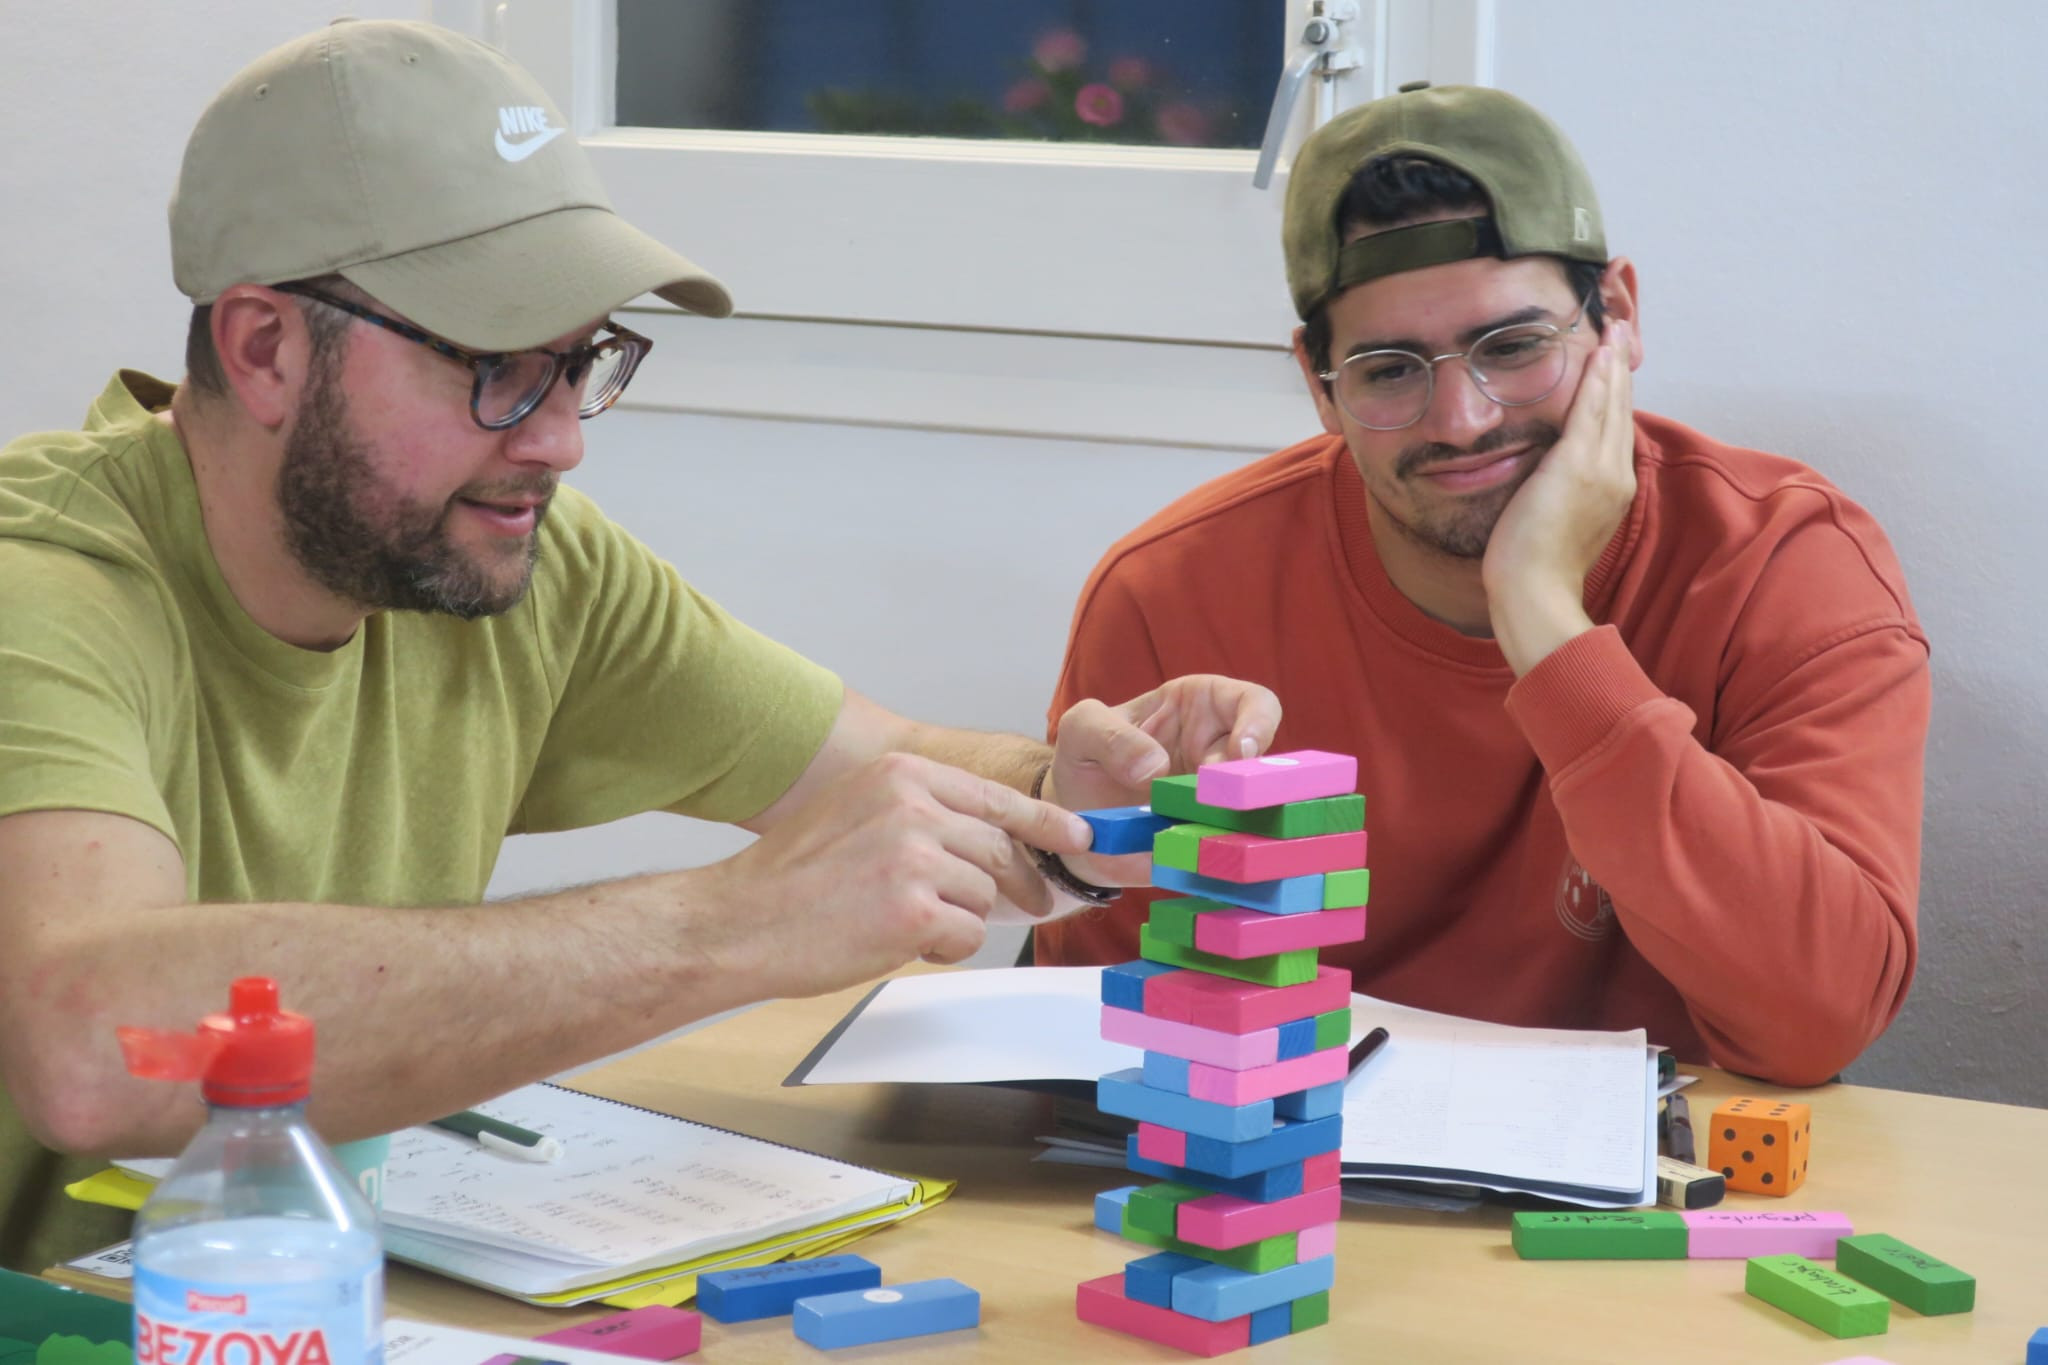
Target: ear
[(1318, 391), (265, 351), (1618, 297)]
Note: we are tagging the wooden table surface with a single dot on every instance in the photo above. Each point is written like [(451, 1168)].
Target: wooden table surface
[(1956, 1178)]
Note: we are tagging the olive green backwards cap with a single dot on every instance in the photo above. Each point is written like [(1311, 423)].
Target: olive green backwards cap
[(1543, 200)]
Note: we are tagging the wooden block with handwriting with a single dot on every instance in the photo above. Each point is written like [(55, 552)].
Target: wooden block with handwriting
[(767, 1291), (1620, 1236), (1761, 1146), (1897, 1271), (1738, 1234), (1812, 1293)]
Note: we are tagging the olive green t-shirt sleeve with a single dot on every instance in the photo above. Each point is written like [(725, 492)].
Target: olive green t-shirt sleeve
[(662, 699)]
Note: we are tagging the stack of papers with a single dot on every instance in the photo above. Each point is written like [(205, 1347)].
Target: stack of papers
[(1565, 1114)]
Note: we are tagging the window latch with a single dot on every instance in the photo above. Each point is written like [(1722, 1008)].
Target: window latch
[(1321, 52)]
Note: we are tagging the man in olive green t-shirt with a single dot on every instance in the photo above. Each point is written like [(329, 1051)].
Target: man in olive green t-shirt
[(286, 651)]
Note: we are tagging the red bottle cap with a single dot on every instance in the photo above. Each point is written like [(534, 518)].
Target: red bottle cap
[(254, 1055)]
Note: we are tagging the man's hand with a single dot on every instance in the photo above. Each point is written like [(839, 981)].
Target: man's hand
[(1108, 755), (1554, 528)]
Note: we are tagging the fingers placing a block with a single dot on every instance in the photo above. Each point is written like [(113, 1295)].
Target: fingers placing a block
[(1812, 1293), (1761, 1146), (1919, 1281)]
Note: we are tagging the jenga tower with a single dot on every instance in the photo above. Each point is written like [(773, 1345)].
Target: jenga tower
[(1240, 1100)]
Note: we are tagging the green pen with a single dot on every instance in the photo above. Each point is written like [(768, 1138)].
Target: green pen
[(496, 1135)]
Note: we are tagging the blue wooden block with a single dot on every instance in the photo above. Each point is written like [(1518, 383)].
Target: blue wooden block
[(1286, 896), (1270, 1323), (1316, 1102), (1297, 1038), (1164, 1071), (1290, 1140), (1109, 1208), (1124, 829), (1123, 985), (1216, 1293), (768, 1291), (1150, 1278), (2037, 1348), (861, 1316), (1261, 1187), (1125, 1093)]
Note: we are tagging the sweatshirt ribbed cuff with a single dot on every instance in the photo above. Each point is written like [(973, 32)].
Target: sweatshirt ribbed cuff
[(1574, 698)]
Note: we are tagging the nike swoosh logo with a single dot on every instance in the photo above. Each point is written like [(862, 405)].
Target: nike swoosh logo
[(519, 151)]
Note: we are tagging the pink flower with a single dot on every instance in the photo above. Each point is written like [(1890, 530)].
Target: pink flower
[(1099, 104), (1062, 49), (1025, 95), (1183, 125), (1128, 73)]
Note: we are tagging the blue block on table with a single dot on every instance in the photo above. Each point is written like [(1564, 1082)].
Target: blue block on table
[(860, 1316), (2037, 1348), (1286, 896), (1109, 1208), (1124, 829), (1271, 1323), (768, 1291), (1150, 1278), (1164, 1071), (1290, 1140), (1123, 985), (1297, 1038), (1261, 1187), (1216, 1293), (1316, 1102), (1125, 1093)]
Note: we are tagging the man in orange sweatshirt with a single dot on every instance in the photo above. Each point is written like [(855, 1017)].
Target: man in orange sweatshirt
[(1640, 716)]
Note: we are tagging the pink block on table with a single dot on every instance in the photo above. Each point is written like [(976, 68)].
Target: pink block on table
[(1723, 1234), (1102, 1302), (1240, 933), (1275, 779), (1232, 1051), (1219, 1002), (1168, 1145), (1222, 1221), (1219, 1086), (653, 1332), (1310, 1243), (1324, 1168), (1256, 858)]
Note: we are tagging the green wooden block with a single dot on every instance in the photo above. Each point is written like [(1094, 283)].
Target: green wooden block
[(1254, 1258), (1275, 969), (1174, 797), (1333, 1029), (1900, 1272), (1180, 845), (1650, 1235), (1813, 1293), (1174, 920), (1311, 1311), (1343, 890), (1155, 1207)]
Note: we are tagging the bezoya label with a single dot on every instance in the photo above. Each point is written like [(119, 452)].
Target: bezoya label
[(328, 1320)]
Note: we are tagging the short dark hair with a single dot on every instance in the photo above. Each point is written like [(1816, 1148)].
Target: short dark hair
[(1401, 188), (325, 325)]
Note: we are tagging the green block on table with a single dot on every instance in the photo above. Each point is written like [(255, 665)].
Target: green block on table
[(1333, 1029), (1275, 969), (1343, 890), (1155, 1207), (1174, 797), (1636, 1236), (1174, 920), (1897, 1271), (1312, 1311), (1181, 845), (1254, 1258), (1813, 1293)]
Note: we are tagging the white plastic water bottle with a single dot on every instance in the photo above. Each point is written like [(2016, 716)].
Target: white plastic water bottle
[(257, 1249)]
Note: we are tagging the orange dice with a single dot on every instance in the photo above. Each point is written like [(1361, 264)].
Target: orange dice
[(1761, 1146)]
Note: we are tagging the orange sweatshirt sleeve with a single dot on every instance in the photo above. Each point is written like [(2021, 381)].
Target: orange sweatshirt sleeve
[(1772, 877)]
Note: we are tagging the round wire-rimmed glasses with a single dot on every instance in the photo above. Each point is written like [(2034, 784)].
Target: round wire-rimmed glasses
[(509, 385), (1514, 366)]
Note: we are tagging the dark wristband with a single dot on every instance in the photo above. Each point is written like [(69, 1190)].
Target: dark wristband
[(1054, 869)]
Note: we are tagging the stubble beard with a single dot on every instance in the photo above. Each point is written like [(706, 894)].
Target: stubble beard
[(1455, 526)]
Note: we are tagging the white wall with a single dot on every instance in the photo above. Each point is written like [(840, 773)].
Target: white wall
[(1832, 206)]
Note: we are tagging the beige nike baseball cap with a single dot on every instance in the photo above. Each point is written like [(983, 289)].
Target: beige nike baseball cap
[(424, 167)]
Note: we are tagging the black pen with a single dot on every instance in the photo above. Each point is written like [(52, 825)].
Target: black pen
[(1364, 1050)]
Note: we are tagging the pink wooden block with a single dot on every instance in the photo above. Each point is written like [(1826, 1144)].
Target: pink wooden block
[(1219, 1086), (1232, 1051), (1223, 1220), (1218, 1002), (1310, 1243), (1168, 1145), (1322, 1169), (1255, 858), (1275, 779), (1722, 1234), (1102, 1302), (1243, 933)]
